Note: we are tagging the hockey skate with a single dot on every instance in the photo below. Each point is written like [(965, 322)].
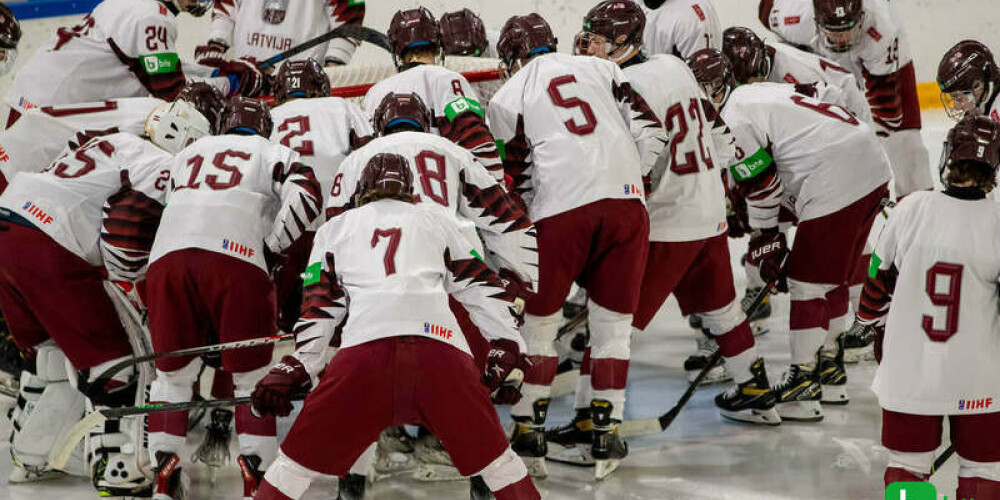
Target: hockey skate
[(395, 452), (696, 362), (528, 440), (352, 487), (799, 393), (752, 401), (20, 474), (608, 448), (252, 474), (760, 315), (859, 344), (832, 375), (433, 461), (571, 443), (171, 483), (214, 449), (478, 489)]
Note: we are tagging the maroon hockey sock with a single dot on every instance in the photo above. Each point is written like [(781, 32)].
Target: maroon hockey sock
[(977, 488), (222, 385), (736, 341), (269, 492), (521, 490), (174, 423), (543, 370), (896, 474), (585, 363)]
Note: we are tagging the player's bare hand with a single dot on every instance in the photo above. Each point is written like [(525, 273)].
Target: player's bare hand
[(273, 394)]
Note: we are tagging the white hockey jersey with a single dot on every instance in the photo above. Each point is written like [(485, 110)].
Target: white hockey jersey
[(124, 48), (391, 265), (937, 261), (574, 132), (824, 157), (102, 202), (235, 195), (323, 131), (458, 114), (681, 27), (263, 28), (688, 201), (795, 66), (452, 183), (35, 138), (792, 20)]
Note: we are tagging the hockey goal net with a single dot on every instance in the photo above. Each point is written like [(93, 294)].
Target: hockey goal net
[(353, 81)]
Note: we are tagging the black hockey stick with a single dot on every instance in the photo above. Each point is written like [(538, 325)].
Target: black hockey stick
[(941, 460), (647, 426), (346, 31), (115, 369), (574, 322)]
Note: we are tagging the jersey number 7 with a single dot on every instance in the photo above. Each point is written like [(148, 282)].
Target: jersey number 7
[(394, 234)]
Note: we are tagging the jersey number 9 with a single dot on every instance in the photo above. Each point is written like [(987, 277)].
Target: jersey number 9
[(949, 300)]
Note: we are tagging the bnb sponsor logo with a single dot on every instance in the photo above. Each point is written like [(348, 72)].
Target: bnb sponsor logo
[(911, 491), (437, 330), (974, 404)]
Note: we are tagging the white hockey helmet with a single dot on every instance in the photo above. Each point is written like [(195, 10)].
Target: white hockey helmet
[(174, 125)]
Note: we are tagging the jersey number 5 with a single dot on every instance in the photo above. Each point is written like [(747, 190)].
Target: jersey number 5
[(394, 234), (948, 300), (590, 119)]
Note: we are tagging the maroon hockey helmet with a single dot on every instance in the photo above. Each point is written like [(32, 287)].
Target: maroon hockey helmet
[(975, 139), (968, 78), (463, 34), (612, 25), (747, 53), (10, 36), (524, 37), (245, 116), (839, 23), (413, 29), (386, 175), (301, 78), (714, 73), (206, 99), (401, 110)]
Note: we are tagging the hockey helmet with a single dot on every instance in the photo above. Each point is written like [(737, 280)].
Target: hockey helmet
[(463, 34), (245, 116), (714, 73), (967, 76), (747, 53), (301, 78), (974, 140), (10, 36), (611, 30), (413, 29), (206, 99), (401, 110), (522, 38), (174, 125), (839, 23), (386, 175)]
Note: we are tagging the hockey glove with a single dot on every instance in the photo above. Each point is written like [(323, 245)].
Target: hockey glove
[(273, 394), (505, 372), (211, 50), (521, 289), (767, 252), (245, 78)]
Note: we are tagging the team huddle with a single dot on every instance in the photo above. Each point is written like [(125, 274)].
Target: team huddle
[(419, 250)]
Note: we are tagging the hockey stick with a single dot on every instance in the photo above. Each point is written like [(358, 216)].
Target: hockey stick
[(574, 322), (64, 448), (346, 31), (647, 426), (941, 460), (105, 377)]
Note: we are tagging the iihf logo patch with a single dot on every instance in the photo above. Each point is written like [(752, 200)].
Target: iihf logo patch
[(438, 331)]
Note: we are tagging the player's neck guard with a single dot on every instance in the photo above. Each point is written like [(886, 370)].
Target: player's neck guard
[(639, 58), (965, 193)]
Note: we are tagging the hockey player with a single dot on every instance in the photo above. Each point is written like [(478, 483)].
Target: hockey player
[(458, 115), (578, 142), (10, 36), (688, 245), (32, 140), (237, 203), (88, 218), (399, 339), (323, 130), (932, 295), (792, 20), (259, 29), (969, 81), (463, 34), (867, 38), (124, 48), (826, 166), (680, 27)]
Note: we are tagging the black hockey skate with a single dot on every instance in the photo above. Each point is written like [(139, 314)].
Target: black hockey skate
[(528, 439), (608, 448), (571, 443), (170, 481), (859, 344), (752, 401), (251, 473), (799, 393), (352, 487), (760, 315), (832, 375), (696, 362), (214, 448), (478, 489)]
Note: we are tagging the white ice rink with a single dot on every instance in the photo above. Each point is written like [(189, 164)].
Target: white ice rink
[(700, 456)]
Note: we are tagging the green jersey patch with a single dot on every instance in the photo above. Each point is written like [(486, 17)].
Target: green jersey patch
[(752, 166), (312, 274), (159, 64), (462, 105)]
